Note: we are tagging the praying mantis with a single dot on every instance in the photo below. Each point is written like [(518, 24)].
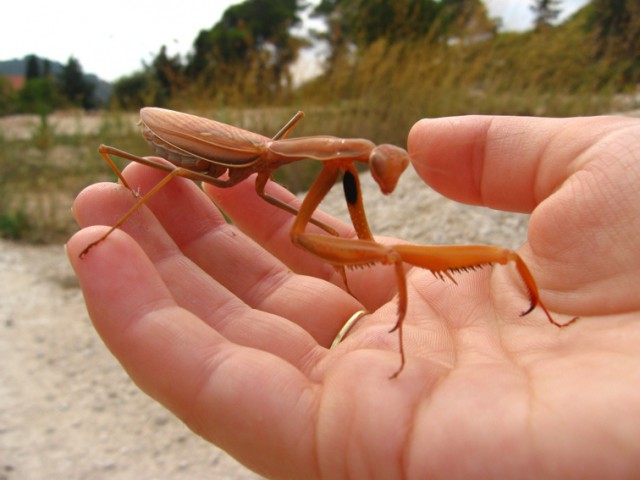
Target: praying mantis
[(223, 155)]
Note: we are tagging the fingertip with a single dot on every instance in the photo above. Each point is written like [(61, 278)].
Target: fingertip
[(422, 132), (416, 132), (78, 207), (116, 276), (90, 254), (422, 148), (487, 160), (418, 138), (95, 203), (444, 153)]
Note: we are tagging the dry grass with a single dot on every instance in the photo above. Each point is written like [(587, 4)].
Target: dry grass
[(45, 164)]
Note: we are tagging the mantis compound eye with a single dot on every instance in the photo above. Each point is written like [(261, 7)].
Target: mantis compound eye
[(387, 162)]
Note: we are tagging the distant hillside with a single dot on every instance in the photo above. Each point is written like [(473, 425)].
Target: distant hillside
[(13, 67), (17, 66)]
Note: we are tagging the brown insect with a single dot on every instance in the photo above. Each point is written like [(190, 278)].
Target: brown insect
[(223, 155)]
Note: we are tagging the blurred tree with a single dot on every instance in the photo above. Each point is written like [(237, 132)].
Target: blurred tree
[(249, 50), (362, 22), (545, 12), (167, 73), (39, 95), (75, 89), (356, 24), (134, 91), (252, 42), (32, 69), (200, 61), (46, 67)]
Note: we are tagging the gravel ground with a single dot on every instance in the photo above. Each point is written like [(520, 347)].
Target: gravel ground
[(67, 409)]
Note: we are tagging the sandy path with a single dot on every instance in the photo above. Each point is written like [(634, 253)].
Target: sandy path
[(67, 409)]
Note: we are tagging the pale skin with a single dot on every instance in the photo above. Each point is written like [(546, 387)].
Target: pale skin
[(232, 336)]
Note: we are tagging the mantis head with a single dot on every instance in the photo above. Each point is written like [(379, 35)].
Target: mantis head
[(387, 162)]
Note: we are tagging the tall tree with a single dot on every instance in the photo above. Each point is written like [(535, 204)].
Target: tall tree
[(362, 22), (74, 87), (167, 74), (253, 35), (353, 25), (546, 12), (134, 91), (356, 24), (39, 93), (46, 67), (32, 68)]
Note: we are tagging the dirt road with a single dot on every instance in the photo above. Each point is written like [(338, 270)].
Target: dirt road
[(67, 409)]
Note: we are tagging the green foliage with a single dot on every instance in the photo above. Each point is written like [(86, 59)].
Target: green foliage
[(43, 91), (614, 26), (39, 95), (249, 50), (364, 22), (473, 69), (243, 59), (167, 74), (545, 12), (356, 27), (155, 85), (43, 173), (134, 91), (14, 225)]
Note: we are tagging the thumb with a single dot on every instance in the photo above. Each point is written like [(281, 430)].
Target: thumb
[(507, 163)]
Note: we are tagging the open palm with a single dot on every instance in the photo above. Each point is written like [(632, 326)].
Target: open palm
[(228, 325)]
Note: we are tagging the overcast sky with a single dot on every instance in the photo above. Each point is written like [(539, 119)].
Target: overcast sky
[(113, 38)]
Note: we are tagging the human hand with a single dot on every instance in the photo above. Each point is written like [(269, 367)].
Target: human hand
[(223, 332)]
